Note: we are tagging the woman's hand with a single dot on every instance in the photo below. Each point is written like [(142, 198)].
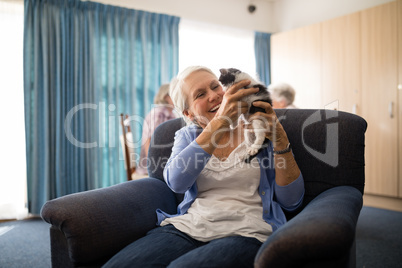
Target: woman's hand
[(273, 128), (232, 105), (286, 168)]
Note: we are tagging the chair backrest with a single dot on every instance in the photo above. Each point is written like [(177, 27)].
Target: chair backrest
[(161, 146), (328, 147), (126, 140)]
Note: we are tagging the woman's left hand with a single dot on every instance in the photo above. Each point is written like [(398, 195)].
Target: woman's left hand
[(273, 128)]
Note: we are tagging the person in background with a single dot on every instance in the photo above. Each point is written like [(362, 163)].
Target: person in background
[(161, 112), (282, 95)]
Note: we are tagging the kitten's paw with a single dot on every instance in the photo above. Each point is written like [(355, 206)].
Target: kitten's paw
[(252, 151)]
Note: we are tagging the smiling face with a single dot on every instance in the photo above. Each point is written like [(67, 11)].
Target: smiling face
[(204, 96)]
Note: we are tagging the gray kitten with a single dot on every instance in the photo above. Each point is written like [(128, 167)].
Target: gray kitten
[(255, 138)]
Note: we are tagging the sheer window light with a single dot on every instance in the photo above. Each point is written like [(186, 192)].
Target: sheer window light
[(215, 47), (12, 142)]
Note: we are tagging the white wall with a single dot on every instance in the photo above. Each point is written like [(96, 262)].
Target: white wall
[(290, 14), (232, 13), (270, 16)]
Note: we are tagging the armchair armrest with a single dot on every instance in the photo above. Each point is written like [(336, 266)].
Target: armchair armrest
[(324, 231), (97, 224)]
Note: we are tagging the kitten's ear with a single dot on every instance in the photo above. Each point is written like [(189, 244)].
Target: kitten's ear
[(223, 71)]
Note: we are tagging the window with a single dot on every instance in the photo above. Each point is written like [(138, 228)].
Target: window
[(12, 142), (216, 47)]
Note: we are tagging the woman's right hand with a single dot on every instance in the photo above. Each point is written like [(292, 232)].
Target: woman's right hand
[(228, 113), (232, 105)]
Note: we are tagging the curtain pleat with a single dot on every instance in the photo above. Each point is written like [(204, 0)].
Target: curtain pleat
[(84, 64), (262, 46)]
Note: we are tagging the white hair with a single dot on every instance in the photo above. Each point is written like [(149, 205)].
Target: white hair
[(176, 89), (282, 91)]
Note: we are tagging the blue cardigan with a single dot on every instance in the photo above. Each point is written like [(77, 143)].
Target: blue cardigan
[(188, 160)]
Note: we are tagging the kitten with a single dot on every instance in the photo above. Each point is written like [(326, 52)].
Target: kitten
[(255, 139)]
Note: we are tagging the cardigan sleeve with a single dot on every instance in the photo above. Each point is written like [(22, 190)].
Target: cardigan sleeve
[(186, 162), (290, 196)]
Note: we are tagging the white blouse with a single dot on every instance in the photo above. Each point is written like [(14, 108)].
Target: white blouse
[(228, 203)]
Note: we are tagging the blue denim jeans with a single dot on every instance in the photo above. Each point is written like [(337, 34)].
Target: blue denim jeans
[(168, 247)]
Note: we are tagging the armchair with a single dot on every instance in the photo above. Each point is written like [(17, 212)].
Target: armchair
[(90, 227)]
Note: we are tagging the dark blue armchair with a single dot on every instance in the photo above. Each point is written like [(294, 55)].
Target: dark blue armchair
[(88, 228)]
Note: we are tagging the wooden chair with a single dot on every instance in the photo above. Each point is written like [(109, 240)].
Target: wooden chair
[(126, 140)]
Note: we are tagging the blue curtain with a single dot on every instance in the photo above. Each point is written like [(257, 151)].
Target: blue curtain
[(84, 64), (262, 48)]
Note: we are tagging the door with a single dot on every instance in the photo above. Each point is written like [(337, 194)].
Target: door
[(341, 71), (379, 98)]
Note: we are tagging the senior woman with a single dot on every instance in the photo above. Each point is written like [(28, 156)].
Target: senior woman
[(230, 207)]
